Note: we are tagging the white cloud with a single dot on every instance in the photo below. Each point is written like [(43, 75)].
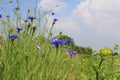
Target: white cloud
[(99, 14), (95, 23), (55, 5), (68, 27)]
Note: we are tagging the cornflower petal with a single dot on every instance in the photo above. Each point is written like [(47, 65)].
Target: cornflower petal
[(12, 36), (69, 41), (53, 13), (19, 28), (55, 19), (17, 8), (0, 15), (31, 17), (73, 53), (57, 41)]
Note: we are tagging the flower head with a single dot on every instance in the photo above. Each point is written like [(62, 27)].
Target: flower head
[(19, 29), (53, 13), (31, 18), (69, 41), (12, 36), (106, 51), (55, 19), (57, 42), (72, 53), (38, 46), (17, 8), (0, 15)]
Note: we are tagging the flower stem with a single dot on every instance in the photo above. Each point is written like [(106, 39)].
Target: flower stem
[(98, 69)]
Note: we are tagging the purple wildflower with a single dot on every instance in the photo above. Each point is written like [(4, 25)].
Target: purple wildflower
[(57, 42), (72, 53), (0, 16), (53, 13), (12, 36), (69, 41), (31, 18), (17, 8), (55, 20), (19, 29)]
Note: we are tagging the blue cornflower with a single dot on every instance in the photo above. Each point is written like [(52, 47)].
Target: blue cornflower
[(0, 15), (55, 19), (63, 42), (72, 53), (57, 42), (19, 29), (31, 18), (17, 8), (53, 13), (12, 36), (69, 41)]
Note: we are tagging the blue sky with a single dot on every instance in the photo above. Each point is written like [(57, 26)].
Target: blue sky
[(92, 23), (71, 4)]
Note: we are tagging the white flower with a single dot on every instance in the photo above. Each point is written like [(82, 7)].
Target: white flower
[(38, 46)]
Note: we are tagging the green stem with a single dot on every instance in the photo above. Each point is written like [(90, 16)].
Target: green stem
[(97, 71)]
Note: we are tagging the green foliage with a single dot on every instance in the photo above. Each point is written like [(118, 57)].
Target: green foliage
[(20, 59), (73, 46)]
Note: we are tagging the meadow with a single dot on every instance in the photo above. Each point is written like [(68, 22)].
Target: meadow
[(29, 51)]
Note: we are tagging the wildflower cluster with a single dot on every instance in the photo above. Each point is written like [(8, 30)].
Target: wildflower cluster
[(15, 36), (32, 53), (12, 36), (58, 41), (106, 51)]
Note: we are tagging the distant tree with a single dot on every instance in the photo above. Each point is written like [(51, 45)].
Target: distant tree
[(72, 46)]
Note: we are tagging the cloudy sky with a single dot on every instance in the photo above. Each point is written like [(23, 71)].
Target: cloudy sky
[(92, 23)]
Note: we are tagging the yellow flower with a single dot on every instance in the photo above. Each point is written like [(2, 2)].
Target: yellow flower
[(106, 51)]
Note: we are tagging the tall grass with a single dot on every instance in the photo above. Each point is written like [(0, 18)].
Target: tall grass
[(21, 60)]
